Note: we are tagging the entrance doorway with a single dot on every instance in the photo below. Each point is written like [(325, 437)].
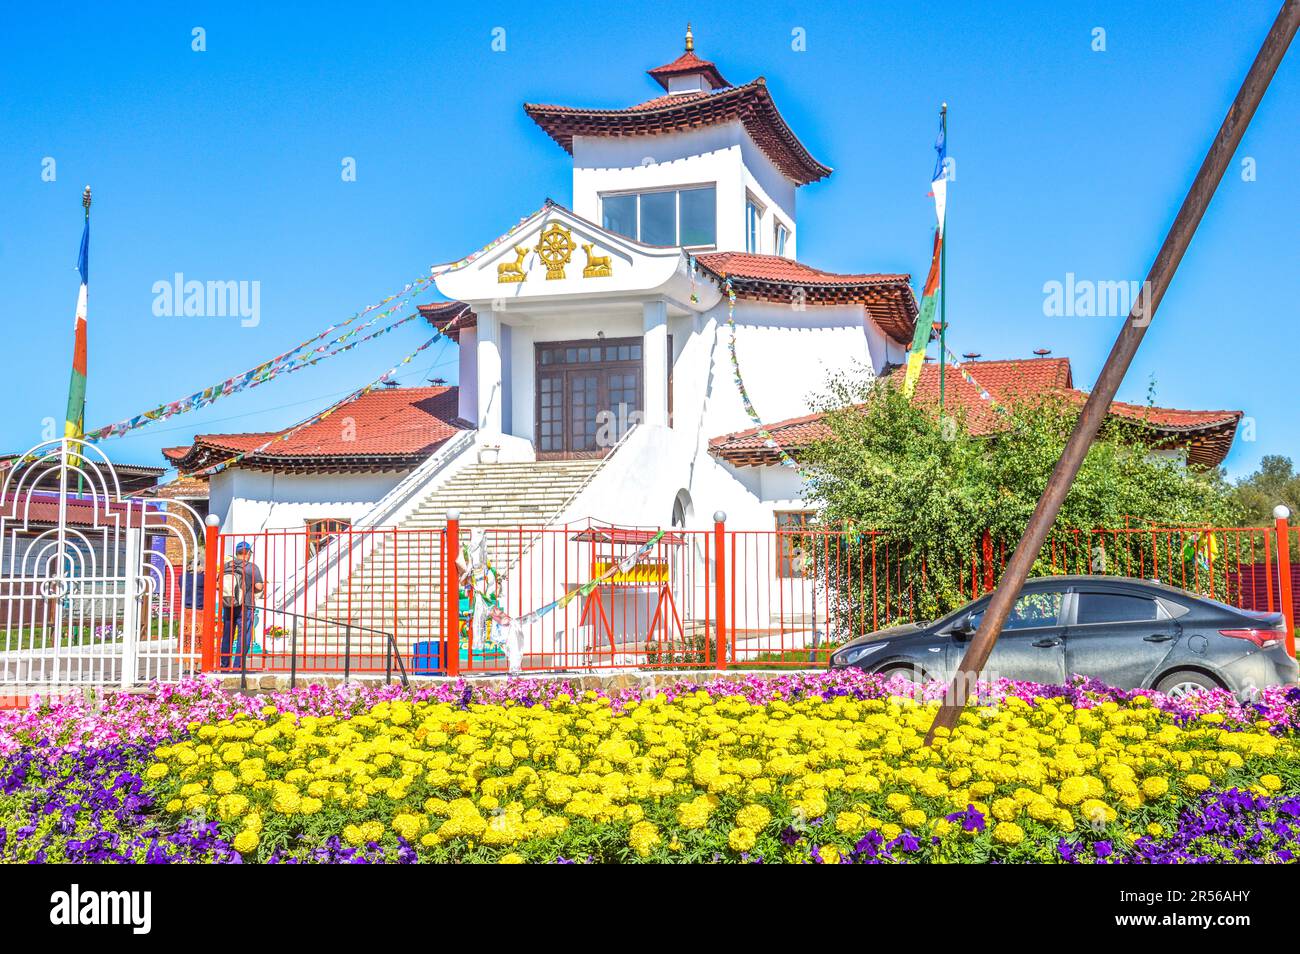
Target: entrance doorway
[(589, 394)]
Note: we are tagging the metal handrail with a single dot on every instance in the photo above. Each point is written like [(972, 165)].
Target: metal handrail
[(390, 642), (391, 503)]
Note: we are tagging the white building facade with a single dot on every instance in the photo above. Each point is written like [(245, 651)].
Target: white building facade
[(612, 322), (604, 331)]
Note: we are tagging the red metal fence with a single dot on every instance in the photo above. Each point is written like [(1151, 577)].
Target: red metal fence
[(592, 598)]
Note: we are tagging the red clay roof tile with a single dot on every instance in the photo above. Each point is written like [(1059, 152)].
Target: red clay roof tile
[(390, 428), (750, 104), (1207, 435), (888, 298), (685, 64)]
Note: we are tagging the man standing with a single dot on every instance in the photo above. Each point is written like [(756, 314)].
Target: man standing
[(241, 584)]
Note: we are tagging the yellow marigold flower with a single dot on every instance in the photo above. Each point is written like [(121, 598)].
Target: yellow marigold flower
[(408, 825), (753, 816), (511, 858), (695, 813), (898, 802), (1155, 829), (643, 837), (1097, 812), (156, 771), (1196, 782), (287, 800), (246, 841), (1155, 786), (231, 806), (913, 818), (830, 854), (175, 805), (1271, 782), (1008, 833), (224, 782), (813, 804), (1040, 809), (1005, 809), (848, 822)]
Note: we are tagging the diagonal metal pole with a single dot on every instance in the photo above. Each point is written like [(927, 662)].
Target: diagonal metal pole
[(1121, 356)]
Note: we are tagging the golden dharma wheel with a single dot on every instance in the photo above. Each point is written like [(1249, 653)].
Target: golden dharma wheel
[(555, 248)]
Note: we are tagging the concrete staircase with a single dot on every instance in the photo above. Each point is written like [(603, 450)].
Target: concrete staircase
[(397, 586)]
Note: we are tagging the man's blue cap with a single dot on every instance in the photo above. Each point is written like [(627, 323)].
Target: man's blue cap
[(243, 547)]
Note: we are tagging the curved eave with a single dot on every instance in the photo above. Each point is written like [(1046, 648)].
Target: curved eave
[(888, 298), (750, 104)]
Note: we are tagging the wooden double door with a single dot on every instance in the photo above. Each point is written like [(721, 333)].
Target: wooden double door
[(589, 393)]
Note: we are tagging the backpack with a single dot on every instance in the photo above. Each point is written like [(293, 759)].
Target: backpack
[(232, 585)]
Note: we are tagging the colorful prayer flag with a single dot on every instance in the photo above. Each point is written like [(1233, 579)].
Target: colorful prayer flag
[(75, 422), (930, 294)]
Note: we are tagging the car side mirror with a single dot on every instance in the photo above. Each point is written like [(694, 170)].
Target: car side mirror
[(963, 628)]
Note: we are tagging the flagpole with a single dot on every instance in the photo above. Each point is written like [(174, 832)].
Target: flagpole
[(943, 274), (75, 420)]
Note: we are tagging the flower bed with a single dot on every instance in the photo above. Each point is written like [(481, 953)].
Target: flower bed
[(826, 767)]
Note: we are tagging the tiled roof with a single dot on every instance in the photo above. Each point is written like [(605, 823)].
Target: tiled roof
[(1207, 435), (387, 429), (440, 314), (687, 63), (888, 298), (40, 509), (750, 104), (1007, 381)]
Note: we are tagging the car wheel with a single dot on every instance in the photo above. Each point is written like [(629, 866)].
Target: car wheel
[(1179, 684)]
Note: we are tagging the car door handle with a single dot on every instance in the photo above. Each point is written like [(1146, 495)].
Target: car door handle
[(1157, 638), (1046, 643)]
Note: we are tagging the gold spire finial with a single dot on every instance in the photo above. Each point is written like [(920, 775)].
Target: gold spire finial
[(690, 40)]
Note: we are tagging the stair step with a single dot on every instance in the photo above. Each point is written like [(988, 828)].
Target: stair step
[(406, 570)]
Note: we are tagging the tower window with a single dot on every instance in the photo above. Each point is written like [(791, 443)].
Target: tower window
[(665, 216), (782, 233), (753, 225)]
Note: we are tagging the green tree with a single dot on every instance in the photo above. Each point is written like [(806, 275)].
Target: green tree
[(926, 489), (1276, 482)]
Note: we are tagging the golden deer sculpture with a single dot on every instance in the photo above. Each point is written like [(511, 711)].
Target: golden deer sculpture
[(597, 265), (513, 271)]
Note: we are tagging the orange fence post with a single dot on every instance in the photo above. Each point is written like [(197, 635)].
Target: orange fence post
[(988, 562), (451, 648), (720, 583), (1281, 512), (211, 594)]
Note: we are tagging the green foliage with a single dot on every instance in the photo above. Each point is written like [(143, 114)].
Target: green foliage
[(929, 488), (1276, 482)]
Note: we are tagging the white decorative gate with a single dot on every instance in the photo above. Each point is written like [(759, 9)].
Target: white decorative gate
[(95, 588)]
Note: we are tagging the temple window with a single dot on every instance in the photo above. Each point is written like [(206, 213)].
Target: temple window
[(664, 217)]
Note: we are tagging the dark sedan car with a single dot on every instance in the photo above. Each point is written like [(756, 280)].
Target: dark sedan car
[(1128, 633)]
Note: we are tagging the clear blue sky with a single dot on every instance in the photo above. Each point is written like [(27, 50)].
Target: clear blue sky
[(225, 165)]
